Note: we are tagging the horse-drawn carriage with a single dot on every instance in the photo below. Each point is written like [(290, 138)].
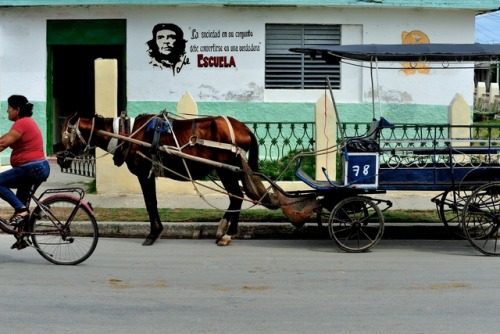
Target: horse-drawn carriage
[(465, 169)]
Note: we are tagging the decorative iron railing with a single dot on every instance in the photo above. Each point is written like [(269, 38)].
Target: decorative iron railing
[(83, 165), (428, 135), (278, 139), (403, 145)]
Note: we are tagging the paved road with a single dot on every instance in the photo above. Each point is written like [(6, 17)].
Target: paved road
[(253, 286)]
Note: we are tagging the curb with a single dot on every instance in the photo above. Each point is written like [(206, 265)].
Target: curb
[(265, 231)]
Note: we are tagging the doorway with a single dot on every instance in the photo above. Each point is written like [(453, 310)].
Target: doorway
[(73, 46)]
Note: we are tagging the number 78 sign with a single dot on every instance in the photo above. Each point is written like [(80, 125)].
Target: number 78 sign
[(361, 170)]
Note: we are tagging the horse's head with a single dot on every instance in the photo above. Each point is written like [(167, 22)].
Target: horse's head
[(73, 141)]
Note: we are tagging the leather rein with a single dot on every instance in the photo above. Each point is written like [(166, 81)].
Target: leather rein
[(72, 132)]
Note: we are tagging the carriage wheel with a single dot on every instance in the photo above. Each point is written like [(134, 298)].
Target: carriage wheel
[(450, 208), (481, 219), (356, 224)]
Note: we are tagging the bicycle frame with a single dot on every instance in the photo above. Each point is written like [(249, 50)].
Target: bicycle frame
[(55, 235)]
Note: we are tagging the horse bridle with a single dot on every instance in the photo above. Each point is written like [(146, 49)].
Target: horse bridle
[(73, 131)]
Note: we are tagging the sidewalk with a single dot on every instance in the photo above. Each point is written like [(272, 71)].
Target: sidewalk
[(410, 200)]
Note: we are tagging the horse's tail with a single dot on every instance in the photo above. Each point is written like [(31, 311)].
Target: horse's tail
[(252, 184), (253, 153)]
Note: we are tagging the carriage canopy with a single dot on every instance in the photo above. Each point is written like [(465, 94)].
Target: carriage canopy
[(332, 54)]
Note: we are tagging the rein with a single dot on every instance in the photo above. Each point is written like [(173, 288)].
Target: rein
[(75, 130)]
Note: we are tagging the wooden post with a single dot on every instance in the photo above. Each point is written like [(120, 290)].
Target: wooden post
[(326, 136)]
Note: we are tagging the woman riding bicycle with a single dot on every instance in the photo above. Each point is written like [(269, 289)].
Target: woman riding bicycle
[(28, 160)]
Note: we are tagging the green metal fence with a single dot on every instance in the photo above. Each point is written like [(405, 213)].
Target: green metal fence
[(278, 139)]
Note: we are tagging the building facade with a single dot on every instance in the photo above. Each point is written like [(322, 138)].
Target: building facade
[(231, 56)]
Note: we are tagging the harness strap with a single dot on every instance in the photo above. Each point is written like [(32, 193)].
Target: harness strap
[(77, 131), (156, 136), (215, 144), (231, 131), (154, 150), (114, 142), (194, 140)]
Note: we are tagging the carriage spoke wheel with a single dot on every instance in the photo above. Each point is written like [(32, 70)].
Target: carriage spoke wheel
[(450, 207), (356, 224), (481, 219)]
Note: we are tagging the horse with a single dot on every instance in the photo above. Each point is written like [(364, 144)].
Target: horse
[(194, 148)]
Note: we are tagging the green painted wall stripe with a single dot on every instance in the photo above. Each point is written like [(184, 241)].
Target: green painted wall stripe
[(302, 112)]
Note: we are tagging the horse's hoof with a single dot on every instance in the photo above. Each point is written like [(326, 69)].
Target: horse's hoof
[(224, 241), (222, 229), (148, 242)]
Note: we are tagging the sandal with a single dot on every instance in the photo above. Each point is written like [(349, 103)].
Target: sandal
[(19, 216), (20, 244)]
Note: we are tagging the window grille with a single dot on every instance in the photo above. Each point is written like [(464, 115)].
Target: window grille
[(289, 70)]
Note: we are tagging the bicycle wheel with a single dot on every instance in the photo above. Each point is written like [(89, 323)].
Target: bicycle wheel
[(356, 224), (64, 231)]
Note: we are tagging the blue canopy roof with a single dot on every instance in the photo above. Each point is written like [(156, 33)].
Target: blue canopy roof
[(332, 54)]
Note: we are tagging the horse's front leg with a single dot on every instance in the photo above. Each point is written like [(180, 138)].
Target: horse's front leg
[(228, 225), (148, 186)]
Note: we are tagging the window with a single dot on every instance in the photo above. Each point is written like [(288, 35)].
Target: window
[(289, 70)]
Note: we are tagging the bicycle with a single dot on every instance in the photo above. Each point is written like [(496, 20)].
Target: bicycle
[(62, 227)]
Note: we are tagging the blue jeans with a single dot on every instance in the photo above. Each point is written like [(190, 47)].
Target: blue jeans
[(22, 178)]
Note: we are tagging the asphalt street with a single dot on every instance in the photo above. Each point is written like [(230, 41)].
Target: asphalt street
[(252, 286)]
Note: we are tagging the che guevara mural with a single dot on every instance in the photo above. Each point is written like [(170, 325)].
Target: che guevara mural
[(168, 47)]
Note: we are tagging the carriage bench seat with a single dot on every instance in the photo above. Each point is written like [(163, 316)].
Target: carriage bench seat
[(318, 185), (369, 142)]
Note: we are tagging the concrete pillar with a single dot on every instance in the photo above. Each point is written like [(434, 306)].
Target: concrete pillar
[(326, 136), (187, 107), (494, 91), (480, 91), (459, 114), (106, 104)]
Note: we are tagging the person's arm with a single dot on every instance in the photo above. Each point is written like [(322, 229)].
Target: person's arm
[(8, 139)]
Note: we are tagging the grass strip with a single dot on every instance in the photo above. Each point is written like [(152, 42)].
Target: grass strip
[(254, 215)]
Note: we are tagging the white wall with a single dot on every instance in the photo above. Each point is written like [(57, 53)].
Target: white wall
[(23, 52)]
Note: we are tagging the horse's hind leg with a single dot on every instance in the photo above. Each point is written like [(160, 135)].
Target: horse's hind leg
[(148, 186), (228, 225)]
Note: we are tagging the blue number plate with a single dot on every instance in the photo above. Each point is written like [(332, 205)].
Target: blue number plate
[(361, 170)]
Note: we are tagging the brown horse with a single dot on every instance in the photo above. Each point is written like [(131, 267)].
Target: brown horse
[(216, 139)]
